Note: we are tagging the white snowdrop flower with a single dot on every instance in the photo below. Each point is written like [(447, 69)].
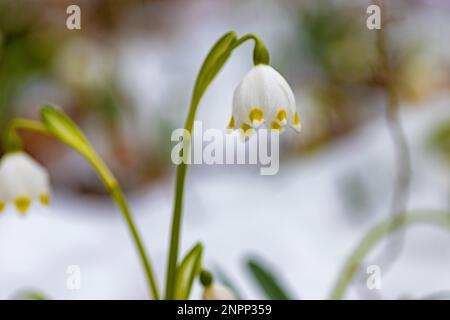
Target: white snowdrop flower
[(22, 181), (264, 96), (218, 292)]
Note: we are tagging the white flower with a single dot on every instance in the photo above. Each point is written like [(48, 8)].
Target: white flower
[(264, 96), (218, 292), (22, 181)]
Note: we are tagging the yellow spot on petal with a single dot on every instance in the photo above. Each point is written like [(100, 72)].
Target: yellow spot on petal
[(256, 115), (22, 204), (231, 123), (44, 199), (246, 127), (296, 119), (296, 123), (281, 115), (246, 130), (2, 206), (275, 126)]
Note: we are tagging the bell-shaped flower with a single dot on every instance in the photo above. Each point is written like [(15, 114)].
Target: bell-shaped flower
[(22, 181), (218, 292), (264, 96)]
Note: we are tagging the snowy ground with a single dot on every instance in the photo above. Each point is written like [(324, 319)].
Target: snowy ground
[(294, 220)]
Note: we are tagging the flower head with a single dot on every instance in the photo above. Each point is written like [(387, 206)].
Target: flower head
[(22, 181), (264, 96), (218, 292)]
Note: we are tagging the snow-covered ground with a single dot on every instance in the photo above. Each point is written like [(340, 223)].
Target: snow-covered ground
[(294, 220)]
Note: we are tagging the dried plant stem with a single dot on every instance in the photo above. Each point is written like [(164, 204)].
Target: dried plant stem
[(402, 154), (375, 235)]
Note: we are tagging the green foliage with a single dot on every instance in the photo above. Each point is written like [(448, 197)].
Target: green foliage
[(440, 140), (213, 63), (65, 130), (25, 52), (225, 279), (187, 271), (30, 295), (267, 281)]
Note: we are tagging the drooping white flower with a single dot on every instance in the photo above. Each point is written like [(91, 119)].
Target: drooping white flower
[(22, 181), (264, 96), (218, 292)]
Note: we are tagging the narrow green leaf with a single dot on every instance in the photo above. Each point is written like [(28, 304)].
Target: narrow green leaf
[(64, 129), (30, 295), (267, 281), (189, 268), (214, 61), (225, 279)]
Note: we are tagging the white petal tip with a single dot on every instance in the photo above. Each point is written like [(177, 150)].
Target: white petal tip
[(256, 124), (297, 128)]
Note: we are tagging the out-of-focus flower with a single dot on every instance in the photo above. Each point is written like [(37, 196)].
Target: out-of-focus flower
[(22, 181), (263, 96), (218, 292)]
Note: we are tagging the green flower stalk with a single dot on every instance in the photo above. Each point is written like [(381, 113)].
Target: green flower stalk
[(247, 116), (258, 95)]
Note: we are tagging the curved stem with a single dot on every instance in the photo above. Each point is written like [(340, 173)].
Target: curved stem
[(119, 198), (260, 56), (260, 53), (113, 187), (22, 123), (12, 141), (398, 137), (375, 235)]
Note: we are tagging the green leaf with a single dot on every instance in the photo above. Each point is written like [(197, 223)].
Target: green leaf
[(225, 279), (267, 281), (440, 139), (30, 295), (213, 62), (189, 268), (64, 129)]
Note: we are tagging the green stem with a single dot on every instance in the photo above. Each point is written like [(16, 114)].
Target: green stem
[(110, 183), (119, 198), (260, 55), (21, 123), (374, 236), (175, 232), (12, 141)]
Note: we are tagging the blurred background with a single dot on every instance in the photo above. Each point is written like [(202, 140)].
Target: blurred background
[(126, 78)]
